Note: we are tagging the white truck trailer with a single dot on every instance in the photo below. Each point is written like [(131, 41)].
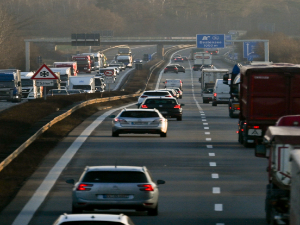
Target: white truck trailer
[(86, 83), (208, 79), (201, 58), (279, 143), (65, 74)]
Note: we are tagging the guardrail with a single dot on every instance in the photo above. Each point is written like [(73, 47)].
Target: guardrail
[(20, 149)]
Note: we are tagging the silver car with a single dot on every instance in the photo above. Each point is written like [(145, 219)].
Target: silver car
[(139, 121), (115, 187)]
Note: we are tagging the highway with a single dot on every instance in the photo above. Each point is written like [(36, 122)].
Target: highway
[(210, 178)]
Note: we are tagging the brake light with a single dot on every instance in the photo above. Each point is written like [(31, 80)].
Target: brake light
[(180, 81), (215, 94), (144, 96), (237, 132), (256, 127), (120, 120), (177, 107), (146, 187), (168, 96), (84, 187), (238, 108), (144, 107), (176, 68)]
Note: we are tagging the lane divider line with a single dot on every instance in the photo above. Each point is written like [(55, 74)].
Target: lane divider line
[(212, 164), (218, 207), (216, 190), (215, 175), (211, 154)]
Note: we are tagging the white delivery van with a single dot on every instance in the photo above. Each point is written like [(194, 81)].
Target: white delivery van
[(29, 88), (221, 93), (86, 83), (126, 59), (173, 83), (65, 74)]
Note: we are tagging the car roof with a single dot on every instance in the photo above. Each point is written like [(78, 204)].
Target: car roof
[(168, 98), (92, 217), (116, 167), (155, 91)]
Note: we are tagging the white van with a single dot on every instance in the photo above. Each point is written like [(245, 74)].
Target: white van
[(173, 83), (65, 74), (221, 93)]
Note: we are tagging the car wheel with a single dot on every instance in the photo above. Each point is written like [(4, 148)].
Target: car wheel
[(179, 118), (231, 114), (115, 134), (153, 212), (162, 134), (205, 101), (214, 103), (76, 210)]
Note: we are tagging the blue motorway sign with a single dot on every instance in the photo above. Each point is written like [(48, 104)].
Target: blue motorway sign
[(227, 38), (249, 48), (210, 40)]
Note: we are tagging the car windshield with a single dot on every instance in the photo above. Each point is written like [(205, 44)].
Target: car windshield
[(27, 83), (160, 101), (83, 87), (115, 177), (139, 114)]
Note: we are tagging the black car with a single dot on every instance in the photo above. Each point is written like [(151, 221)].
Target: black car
[(171, 68), (196, 67), (168, 107), (180, 68)]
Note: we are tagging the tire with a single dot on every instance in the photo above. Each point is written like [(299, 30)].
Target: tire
[(245, 143), (179, 118), (76, 210), (214, 103), (231, 114), (162, 134), (205, 101), (153, 212), (115, 134)]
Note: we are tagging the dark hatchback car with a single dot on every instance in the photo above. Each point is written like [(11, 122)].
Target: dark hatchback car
[(180, 68), (178, 59), (171, 68), (168, 107)]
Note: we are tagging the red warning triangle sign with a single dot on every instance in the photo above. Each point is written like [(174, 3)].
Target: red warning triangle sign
[(44, 73)]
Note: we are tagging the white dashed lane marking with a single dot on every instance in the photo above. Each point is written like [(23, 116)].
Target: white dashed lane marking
[(216, 190), (207, 133), (208, 139), (218, 207), (212, 164), (215, 175), (206, 128), (211, 154), (209, 146)]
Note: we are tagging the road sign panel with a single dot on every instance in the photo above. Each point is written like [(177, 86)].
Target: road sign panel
[(210, 41), (227, 38), (109, 80), (249, 48), (108, 73), (44, 83), (44, 73)]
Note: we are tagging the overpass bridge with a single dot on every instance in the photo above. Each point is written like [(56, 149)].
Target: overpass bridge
[(159, 41)]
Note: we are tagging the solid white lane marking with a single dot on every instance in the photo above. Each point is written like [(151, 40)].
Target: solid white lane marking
[(206, 128), (207, 133), (211, 154), (202, 114), (218, 207), (205, 123), (208, 139), (215, 175), (40, 194), (216, 190), (212, 164), (209, 146)]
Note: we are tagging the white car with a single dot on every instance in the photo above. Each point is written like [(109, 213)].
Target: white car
[(83, 219)]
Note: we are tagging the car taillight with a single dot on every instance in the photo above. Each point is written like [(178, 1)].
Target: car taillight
[(144, 107), (146, 187), (180, 81), (84, 187), (144, 96), (168, 96), (238, 108), (165, 68), (256, 127), (176, 68), (215, 94), (120, 120), (177, 107)]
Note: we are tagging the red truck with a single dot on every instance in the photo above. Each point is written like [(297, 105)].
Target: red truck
[(84, 63), (267, 92), (72, 65)]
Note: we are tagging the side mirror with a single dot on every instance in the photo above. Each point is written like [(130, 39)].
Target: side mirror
[(160, 182), (70, 181), (112, 116), (261, 151), (225, 78)]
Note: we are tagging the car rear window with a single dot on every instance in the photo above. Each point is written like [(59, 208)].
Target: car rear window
[(91, 223), (159, 93), (115, 177), (160, 101), (139, 114)]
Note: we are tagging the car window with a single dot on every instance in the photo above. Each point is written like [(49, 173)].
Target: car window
[(115, 177), (160, 101), (139, 114), (91, 223), (160, 93)]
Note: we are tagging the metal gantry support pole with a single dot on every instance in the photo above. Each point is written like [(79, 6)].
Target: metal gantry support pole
[(27, 56)]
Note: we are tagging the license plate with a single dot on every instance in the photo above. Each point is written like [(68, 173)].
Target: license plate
[(254, 132), (163, 112), (139, 123), (115, 196)]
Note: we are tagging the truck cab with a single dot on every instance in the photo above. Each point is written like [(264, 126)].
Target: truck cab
[(29, 89), (10, 85)]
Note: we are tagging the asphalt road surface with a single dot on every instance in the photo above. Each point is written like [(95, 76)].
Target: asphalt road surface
[(210, 178)]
